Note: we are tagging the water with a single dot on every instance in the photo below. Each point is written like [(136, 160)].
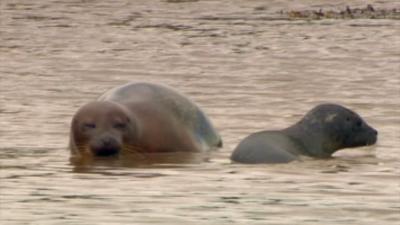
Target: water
[(247, 70)]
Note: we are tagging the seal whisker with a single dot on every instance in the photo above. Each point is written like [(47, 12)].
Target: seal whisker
[(83, 149), (132, 150)]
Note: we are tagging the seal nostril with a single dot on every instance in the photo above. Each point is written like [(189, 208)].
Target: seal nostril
[(107, 142)]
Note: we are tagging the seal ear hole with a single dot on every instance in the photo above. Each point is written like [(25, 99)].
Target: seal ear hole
[(348, 119)]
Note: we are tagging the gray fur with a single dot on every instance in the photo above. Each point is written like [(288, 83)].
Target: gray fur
[(321, 132)]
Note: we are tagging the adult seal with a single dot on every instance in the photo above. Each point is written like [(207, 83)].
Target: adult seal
[(321, 132), (140, 118)]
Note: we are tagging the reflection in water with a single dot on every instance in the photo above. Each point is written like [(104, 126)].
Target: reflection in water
[(248, 69), (144, 160)]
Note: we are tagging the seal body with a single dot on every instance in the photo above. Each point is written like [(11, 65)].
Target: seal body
[(141, 118), (321, 132)]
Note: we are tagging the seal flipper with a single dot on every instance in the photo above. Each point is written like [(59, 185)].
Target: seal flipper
[(205, 131)]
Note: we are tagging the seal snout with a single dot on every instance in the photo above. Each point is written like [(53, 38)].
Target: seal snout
[(374, 137), (106, 146)]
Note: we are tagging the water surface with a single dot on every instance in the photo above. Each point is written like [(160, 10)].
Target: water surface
[(247, 68)]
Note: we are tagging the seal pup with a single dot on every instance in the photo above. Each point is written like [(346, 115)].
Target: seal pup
[(139, 118), (321, 132)]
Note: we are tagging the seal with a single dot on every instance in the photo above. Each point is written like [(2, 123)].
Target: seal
[(140, 118), (321, 132)]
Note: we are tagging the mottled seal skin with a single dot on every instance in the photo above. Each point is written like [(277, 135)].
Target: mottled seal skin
[(321, 132), (140, 118)]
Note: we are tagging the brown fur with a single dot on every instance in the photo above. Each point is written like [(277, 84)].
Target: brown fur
[(145, 118)]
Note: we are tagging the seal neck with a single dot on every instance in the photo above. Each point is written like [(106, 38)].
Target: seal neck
[(312, 140)]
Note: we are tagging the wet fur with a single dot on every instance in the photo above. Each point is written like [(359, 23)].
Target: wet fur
[(154, 118), (321, 132)]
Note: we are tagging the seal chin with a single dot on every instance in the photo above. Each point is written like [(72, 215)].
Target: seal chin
[(105, 152), (373, 137), (372, 140)]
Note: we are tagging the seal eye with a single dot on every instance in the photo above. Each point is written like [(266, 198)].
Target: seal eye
[(120, 125), (347, 119), (359, 123), (89, 125)]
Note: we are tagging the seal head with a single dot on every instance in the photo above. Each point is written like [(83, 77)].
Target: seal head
[(102, 128), (330, 127)]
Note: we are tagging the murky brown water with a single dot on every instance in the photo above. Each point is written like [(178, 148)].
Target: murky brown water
[(248, 70)]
